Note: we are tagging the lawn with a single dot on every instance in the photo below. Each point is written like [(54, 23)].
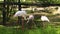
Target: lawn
[(51, 28), (12, 30)]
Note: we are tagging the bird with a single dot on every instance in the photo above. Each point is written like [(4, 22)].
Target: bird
[(44, 18), (30, 21), (31, 17), (20, 13)]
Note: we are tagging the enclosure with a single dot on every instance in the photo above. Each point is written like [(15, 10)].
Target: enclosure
[(17, 25)]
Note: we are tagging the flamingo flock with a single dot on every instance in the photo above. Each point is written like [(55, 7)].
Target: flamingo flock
[(31, 17)]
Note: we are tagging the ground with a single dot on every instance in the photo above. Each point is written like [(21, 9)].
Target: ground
[(51, 28)]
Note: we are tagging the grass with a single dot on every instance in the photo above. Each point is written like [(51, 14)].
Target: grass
[(5, 30), (48, 30)]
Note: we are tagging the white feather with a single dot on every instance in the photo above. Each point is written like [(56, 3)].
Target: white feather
[(44, 18), (31, 17), (20, 13)]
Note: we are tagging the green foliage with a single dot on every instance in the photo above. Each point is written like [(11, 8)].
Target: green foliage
[(9, 30), (50, 1), (49, 30), (12, 0)]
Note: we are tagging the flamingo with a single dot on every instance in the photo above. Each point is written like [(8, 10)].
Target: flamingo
[(44, 18), (31, 17), (23, 15), (20, 13), (30, 21)]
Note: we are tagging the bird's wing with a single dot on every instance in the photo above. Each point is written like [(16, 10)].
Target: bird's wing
[(44, 18)]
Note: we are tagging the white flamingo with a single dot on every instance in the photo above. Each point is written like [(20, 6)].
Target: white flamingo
[(30, 21), (31, 17), (20, 13), (44, 18), (23, 14)]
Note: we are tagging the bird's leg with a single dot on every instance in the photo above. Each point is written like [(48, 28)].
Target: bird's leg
[(29, 24), (22, 23), (18, 22), (34, 25), (43, 25)]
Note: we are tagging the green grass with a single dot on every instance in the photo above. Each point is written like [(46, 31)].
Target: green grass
[(48, 30)]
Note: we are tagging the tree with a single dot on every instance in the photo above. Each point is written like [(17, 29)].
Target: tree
[(50, 1)]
